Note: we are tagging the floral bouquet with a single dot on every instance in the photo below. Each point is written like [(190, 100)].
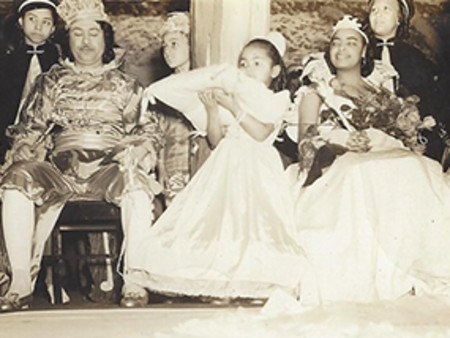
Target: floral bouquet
[(381, 110), (397, 117)]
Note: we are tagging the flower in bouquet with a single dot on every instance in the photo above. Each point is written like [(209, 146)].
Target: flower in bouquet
[(397, 117), (376, 110), (307, 148)]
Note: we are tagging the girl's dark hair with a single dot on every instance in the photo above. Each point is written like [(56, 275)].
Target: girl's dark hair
[(367, 62), (108, 33), (279, 82), (407, 11), (13, 32), (293, 81)]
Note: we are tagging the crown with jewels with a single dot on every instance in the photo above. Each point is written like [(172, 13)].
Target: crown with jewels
[(349, 22), (176, 22), (73, 10)]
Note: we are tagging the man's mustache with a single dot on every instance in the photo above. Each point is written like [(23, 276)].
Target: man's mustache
[(86, 48)]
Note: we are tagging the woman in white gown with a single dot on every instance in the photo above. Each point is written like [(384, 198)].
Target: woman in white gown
[(373, 214), (230, 232)]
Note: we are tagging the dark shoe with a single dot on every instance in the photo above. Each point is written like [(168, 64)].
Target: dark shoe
[(134, 299), (13, 302)]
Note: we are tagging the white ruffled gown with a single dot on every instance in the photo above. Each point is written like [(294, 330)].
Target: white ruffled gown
[(375, 226), (231, 231)]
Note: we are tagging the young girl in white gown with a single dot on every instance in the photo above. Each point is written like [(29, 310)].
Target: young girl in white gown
[(230, 232), (375, 224)]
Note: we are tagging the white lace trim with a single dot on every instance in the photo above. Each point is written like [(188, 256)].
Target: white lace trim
[(207, 288)]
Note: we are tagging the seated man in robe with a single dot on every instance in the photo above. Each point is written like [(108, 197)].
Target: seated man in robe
[(81, 134)]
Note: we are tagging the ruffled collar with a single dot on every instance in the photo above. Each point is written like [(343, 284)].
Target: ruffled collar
[(114, 64)]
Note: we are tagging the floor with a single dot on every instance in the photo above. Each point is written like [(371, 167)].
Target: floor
[(412, 317), (164, 317)]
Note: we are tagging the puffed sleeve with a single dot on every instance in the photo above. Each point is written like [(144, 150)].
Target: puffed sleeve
[(132, 102), (150, 127), (180, 91), (143, 125), (255, 99), (35, 121)]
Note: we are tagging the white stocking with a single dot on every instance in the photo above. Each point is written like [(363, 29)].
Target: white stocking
[(137, 217), (18, 226), (45, 223)]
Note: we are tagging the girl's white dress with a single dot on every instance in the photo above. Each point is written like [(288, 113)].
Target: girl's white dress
[(230, 232), (376, 225)]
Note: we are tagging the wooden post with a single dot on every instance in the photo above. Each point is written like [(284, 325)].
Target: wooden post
[(220, 28)]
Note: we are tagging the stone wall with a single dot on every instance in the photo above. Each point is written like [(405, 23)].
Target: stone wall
[(305, 23)]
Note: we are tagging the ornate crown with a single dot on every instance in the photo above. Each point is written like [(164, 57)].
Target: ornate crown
[(73, 10), (349, 22), (176, 22)]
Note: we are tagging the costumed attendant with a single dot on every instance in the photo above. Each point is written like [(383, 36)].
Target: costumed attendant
[(176, 166), (229, 233), (29, 51), (80, 134), (372, 212), (388, 28)]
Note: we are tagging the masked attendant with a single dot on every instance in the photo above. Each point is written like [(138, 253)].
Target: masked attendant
[(179, 158)]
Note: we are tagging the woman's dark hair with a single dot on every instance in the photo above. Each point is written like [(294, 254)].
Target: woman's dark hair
[(407, 11), (108, 33), (367, 62), (13, 32), (279, 82)]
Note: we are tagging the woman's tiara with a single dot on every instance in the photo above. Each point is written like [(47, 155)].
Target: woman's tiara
[(349, 22)]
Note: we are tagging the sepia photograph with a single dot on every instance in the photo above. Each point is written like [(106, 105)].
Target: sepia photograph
[(225, 168)]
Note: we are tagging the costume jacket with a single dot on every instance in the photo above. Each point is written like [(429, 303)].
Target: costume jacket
[(417, 76)]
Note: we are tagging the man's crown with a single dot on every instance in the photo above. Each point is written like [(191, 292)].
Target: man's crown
[(73, 10), (349, 22)]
